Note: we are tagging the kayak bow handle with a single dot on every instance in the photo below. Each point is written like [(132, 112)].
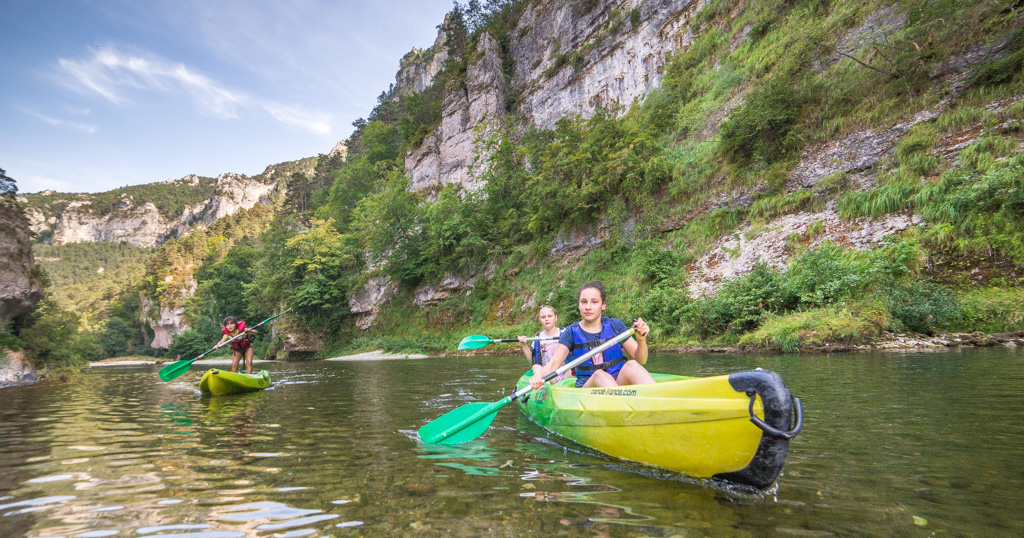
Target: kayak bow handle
[(770, 430)]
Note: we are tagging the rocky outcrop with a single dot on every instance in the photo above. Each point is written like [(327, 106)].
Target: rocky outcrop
[(450, 155), (340, 149), (855, 152), (140, 223), (619, 65), (569, 61), (21, 286), (737, 254), (16, 370), (168, 320), (431, 294), (365, 303), (298, 343), (420, 67)]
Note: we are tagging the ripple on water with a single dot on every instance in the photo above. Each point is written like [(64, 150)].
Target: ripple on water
[(296, 522), (161, 528), (264, 510), (37, 502), (107, 508), (51, 478)]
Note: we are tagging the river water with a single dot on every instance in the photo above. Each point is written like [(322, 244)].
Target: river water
[(894, 444)]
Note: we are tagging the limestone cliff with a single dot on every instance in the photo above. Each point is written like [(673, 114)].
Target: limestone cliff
[(139, 222), (167, 320), (419, 67), (146, 215), (448, 155), (21, 286), (566, 62)]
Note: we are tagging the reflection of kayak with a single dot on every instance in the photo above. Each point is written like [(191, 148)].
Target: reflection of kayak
[(226, 382), (706, 427)]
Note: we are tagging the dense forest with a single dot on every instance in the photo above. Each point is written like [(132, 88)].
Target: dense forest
[(709, 154)]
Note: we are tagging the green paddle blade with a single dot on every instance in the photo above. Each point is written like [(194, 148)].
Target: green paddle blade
[(175, 369), (461, 424), (476, 341)]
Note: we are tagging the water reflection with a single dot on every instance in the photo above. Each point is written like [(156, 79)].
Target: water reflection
[(893, 445)]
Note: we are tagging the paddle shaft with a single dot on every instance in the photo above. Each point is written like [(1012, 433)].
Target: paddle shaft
[(533, 339), (184, 366), (491, 409)]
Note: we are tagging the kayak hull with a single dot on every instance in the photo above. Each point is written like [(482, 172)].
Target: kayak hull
[(701, 427), (216, 382)]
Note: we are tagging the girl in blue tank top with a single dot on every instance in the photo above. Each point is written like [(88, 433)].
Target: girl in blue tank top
[(607, 369)]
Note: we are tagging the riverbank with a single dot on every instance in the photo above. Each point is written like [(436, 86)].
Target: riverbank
[(889, 342), (132, 361), (377, 355)]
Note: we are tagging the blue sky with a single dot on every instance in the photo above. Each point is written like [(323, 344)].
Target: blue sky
[(105, 93)]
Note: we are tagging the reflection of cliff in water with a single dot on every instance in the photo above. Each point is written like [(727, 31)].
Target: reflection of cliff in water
[(26, 428)]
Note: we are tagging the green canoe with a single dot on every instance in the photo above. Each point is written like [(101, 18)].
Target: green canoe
[(217, 382)]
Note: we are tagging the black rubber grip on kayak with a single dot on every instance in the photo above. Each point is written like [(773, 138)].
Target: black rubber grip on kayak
[(779, 409)]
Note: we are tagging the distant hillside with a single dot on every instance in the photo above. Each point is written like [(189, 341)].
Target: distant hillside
[(148, 214)]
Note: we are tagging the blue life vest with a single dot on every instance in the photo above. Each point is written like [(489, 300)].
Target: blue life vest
[(613, 356)]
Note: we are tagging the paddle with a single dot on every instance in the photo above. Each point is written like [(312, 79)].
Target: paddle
[(478, 341), (468, 422), (175, 370)]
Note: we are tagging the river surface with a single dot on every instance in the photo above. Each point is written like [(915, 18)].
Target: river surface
[(894, 444)]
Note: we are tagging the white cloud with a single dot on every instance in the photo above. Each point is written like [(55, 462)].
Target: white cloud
[(85, 128), (319, 124), (113, 75)]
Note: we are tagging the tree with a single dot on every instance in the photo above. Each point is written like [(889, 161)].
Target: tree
[(8, 187), (299, 192)]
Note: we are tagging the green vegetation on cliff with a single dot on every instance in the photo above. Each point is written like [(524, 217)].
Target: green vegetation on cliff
[(760, 91), (735, 112)]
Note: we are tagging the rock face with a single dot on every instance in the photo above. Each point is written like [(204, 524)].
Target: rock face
[(168, 320), (856, 152), (616, 68), (737, 254), (141, 224), (340, 149), (299, 343), (16, 370), (419, 67), (365, 303), (431, 294), (448, 156), (21, 287)]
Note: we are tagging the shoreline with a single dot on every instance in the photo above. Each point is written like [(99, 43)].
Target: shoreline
[(377, 355), (891, 342)]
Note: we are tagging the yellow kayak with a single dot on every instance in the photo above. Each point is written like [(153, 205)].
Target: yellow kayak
[(734, 427), (217, 382)]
